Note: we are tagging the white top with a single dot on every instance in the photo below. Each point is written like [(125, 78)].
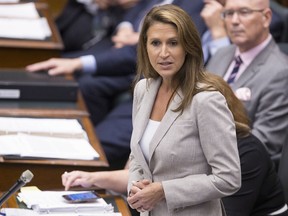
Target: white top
[(147, 137)]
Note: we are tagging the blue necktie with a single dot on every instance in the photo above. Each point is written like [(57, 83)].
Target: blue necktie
[(235, 70)]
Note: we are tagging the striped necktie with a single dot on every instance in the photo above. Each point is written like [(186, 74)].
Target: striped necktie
[(238, 62)]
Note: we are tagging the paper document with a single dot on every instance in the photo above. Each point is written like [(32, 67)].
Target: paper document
[(27, 212), (9, 1), (53, 202), (22, 21), (69, 128), (27, 10), (21, 146), (18, 28)]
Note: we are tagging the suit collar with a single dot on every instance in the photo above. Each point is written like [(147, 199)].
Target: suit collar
[(254, 66)]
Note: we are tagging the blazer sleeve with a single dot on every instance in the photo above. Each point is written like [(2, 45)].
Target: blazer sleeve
[(219, 145)]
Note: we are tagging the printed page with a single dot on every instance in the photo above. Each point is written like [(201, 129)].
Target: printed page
[(69, 128), (53, 202), (30, 146), (27, 212), (27, 10), (18, 28)]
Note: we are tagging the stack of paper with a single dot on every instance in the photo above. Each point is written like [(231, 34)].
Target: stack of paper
[(27, 212), (32, 138), (23, 146), (42, 126), (22, 21), (53, 202)]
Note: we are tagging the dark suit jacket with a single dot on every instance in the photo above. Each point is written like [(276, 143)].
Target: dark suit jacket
[(261, 192), (77, 26), (267, 80)]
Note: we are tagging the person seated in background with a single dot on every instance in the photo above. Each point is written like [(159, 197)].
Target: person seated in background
[(83, 23), (256, 70), (261, 192), (216, 36)]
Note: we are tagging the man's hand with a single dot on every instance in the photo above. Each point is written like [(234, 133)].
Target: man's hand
[(125, 36), (57, 66), (211, 14)]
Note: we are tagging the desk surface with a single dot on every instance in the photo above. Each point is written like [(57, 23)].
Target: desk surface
[(121, 205), (47, 172), (17, 53), (43, 108)]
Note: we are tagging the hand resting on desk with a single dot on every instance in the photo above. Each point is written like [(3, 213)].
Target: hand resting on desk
[(57, 66)]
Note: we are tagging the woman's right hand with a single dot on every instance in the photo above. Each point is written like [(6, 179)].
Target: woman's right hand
[(77, 178)]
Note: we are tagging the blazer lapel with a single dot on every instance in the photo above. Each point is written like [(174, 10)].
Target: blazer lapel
[(224, 62), (142, 120), (168, 119), (254, 67)]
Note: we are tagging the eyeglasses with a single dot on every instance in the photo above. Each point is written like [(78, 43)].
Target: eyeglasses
[(242, 13)]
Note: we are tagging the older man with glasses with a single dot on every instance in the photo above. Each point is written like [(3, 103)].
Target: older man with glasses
[(256, 70)]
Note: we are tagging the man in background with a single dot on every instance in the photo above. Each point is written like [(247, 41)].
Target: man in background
[(256, 70)]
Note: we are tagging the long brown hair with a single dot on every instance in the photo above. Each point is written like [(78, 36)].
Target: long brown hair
[(216, 83), (189, 38), (192, 72)]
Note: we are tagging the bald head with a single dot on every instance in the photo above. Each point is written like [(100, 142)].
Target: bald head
[(254, 3), (248, 30)]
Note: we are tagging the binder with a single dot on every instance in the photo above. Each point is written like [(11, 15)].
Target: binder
[(22, 85)]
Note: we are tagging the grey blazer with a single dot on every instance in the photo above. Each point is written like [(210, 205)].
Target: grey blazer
[(193, 154), (266, 80)]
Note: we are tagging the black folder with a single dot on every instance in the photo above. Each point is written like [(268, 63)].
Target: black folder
[(22, 85)]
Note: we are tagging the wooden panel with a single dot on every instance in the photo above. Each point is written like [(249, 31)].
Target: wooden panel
[(44, 109)]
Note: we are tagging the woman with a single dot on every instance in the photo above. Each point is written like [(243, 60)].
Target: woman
[(184, 155), (261, 192)]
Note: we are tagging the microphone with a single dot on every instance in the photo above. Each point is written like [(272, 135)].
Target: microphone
[(24, 178)]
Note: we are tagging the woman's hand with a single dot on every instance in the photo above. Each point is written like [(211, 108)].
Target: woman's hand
[(77, 178), (144, 195)]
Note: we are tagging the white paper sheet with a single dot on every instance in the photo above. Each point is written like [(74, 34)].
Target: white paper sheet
[(29, 146), (27, 10)]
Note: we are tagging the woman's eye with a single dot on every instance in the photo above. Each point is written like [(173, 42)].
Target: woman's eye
[(155, 43), (174, 43)]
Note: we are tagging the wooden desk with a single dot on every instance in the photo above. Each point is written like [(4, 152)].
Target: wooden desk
[(117, 201), (55, 6), (47, 173), (17, 53), (44, 109)]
